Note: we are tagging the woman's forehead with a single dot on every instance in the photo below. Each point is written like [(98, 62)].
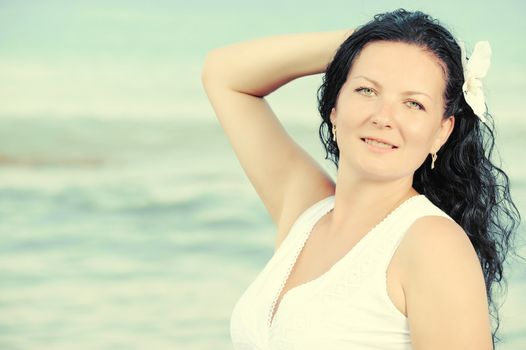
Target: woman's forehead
[(400, 66)]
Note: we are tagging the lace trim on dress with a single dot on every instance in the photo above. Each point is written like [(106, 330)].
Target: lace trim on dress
[(291, 265)]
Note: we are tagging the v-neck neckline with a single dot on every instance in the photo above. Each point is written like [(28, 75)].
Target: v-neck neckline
[(322, 213)]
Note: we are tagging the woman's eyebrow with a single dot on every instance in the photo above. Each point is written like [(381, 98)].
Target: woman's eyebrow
[(405, 93)]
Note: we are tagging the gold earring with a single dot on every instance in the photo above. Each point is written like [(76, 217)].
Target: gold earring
[(433, 158), (334, 132)]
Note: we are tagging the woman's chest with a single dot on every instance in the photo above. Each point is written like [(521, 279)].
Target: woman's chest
[(319, 256)]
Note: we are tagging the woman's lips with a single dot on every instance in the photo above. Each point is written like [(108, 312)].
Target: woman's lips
[(378, 149), (378, 140)]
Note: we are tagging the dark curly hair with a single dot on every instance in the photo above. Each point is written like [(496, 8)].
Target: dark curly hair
[(464, 183)]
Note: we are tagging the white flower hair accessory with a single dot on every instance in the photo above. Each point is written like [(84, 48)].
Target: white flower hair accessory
[(475, 68)]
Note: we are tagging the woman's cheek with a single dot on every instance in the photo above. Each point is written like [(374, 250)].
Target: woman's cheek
[(417, 132)]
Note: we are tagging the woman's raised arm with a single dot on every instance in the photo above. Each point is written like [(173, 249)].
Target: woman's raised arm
[(236, 78)]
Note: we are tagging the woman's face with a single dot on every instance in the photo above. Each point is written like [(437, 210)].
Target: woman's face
[(394, 93)]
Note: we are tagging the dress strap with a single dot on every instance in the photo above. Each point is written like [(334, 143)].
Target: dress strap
[(304, 220)]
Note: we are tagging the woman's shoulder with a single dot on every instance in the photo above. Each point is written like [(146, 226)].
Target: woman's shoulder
[(434, 226), (435, 240)]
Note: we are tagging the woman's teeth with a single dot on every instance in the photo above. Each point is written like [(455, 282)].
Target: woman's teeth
[(378, 144)]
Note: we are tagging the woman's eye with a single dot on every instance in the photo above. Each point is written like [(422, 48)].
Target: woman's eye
[(418, 105), (362, 89)]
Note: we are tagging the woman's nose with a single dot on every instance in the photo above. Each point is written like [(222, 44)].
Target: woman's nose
[(384, 114)]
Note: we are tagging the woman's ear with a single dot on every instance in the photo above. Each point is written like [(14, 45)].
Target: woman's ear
[(333, 116), (446, 128)]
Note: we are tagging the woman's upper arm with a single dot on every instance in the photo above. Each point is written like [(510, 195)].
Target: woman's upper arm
[(275, 164), (445, 290)]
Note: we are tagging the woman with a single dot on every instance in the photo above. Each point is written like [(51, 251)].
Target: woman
[(402, 250)]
